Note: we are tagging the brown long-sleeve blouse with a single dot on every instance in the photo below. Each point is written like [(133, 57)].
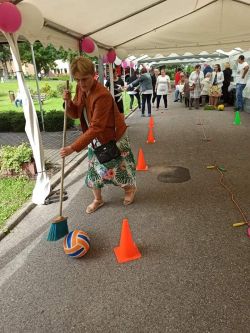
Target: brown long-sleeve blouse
[(105, 121)]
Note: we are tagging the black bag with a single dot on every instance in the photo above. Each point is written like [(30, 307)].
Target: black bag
[(107, 152)]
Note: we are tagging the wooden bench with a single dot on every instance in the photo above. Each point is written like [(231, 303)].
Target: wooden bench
[(36, 97)]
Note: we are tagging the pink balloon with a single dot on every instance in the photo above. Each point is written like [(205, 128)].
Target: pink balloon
[(10, 17), (88, 45), (111, 55), (124, 64)]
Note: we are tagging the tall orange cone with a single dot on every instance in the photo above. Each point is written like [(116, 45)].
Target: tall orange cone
[(141, 164), (151, 138), (127, 249), (151, 122)]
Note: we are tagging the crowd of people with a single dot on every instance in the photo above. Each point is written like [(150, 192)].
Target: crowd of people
[(199, 88)]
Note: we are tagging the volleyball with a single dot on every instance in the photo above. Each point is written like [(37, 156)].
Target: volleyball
[(76, 244)]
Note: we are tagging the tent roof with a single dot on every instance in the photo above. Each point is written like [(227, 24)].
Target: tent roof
[(147, 26)]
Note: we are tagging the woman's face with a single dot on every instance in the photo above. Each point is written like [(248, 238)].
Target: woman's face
[(198, 69), (216, 68), (163, 72), (85, 82)]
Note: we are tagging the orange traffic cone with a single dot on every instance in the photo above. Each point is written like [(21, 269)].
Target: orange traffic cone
[(141, 164), (151, 122), (151, 138), (127, 250)]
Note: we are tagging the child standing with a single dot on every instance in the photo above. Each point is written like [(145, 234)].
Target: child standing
[(206, 84)]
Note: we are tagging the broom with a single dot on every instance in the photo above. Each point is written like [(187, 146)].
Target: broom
[(59, 226)]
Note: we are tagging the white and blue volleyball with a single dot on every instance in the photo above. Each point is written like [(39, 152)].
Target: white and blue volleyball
[(76, 244)]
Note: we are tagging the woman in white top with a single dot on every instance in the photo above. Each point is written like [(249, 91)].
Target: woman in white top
[(195, 79), (217, 82), (162, 88)]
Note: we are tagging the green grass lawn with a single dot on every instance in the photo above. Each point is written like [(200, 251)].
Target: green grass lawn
[(14, 192), (49, 104)]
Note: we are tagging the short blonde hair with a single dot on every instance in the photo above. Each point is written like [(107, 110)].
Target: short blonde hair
[(82, 65), (227, 65)]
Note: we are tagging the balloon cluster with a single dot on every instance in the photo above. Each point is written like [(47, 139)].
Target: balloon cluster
[(18, 18)]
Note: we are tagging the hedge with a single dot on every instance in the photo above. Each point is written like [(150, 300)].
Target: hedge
[(12, 121)]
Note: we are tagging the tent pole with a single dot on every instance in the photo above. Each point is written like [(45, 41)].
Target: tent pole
[(111, 78), (100, 70), (37, 84)]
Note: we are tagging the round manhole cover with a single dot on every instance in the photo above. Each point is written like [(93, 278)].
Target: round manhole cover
[(174, 174)]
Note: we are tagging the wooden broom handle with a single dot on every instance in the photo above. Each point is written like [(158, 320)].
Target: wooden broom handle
[(63, 145)]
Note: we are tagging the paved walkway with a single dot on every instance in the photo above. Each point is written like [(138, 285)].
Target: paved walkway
[(194, 272), (52, 142)]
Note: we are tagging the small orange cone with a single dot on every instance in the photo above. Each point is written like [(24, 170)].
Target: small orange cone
[(127, 250), (151, 138), (151, 122), (141, 164)]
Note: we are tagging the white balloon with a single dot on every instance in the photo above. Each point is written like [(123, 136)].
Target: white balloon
[(121, 53), (117, 61), (32, 21)]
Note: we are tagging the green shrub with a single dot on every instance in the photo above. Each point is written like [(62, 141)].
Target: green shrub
[(53, 121), (15, 121), (12, 158), (46, 89), (52, 94)]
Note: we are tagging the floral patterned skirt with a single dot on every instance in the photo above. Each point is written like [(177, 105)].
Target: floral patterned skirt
[(119, 172)]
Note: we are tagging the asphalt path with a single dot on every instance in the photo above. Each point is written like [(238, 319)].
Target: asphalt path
[(194, 272)]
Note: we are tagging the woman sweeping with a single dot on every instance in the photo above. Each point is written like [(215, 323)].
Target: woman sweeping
[(102, 124)]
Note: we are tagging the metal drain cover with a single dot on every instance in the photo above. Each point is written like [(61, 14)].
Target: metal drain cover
[(174, 174)]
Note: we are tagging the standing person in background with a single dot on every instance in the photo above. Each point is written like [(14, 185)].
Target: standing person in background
[(118, 89), (18, 99), (180, 85), (186, 92), (101, 123), (134, 91), (154, 77), (227, 79), (207, 69), (241, 81), (195, 79), (206, 86), (177, 78), (146, 88), (217, 81), (162, 88)]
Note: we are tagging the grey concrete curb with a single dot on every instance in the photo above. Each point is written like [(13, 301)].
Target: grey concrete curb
[(17, 217)]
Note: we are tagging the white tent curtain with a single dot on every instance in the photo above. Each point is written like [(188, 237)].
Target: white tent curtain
[(42, 186)]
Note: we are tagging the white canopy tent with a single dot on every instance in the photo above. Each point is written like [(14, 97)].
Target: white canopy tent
[(147, 26), (140, 28)]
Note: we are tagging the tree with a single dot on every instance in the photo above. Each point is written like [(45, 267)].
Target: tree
[(45, 56), (5, 56)]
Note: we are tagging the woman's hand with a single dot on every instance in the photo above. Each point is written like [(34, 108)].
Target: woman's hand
[(66, 151), (67, 95)]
